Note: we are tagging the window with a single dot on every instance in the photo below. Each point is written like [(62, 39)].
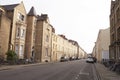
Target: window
[(53, 45), (33, 51), (21, 51), (35, 21), (118, 33), (119, 52), (46, 53), (34, 35), (54, 38), (22, 33), (112, 38), (18, 32), (20, 17), (48, 29), (47, 38), (17, 49), (118, 15)]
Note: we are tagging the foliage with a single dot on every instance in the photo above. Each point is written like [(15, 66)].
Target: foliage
[(11, 55)]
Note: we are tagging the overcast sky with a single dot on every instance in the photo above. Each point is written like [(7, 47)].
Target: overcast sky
[(79, 20)]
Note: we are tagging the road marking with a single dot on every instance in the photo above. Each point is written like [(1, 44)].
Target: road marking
[(78, 75), (82, 71), (76, 78)]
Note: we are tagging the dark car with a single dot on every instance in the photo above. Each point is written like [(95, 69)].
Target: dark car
[(63, 59), (95, 60)]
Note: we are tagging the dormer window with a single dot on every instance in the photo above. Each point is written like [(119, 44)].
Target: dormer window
[(20, 17)]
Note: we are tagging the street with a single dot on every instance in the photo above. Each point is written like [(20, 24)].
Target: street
[(71, 70)]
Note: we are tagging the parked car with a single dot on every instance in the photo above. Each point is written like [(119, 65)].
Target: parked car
[(90, 60), (63, 59), (95, 59), (70, 58)]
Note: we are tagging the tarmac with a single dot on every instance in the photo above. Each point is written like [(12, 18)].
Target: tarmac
[(103, 72)]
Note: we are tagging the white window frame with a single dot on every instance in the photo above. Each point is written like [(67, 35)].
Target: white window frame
[(18, 32), (21, 51), (47, 38), (17, 49), (22, 35), (46, 52), (20, 17)]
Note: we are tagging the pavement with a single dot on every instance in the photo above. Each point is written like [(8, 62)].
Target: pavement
[(105, 74), (7, 67)]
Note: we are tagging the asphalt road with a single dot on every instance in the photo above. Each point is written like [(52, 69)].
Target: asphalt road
[(71, 70)]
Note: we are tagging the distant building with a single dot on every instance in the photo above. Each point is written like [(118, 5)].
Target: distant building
[(74, 48), (82, 54), (68, 48), (101, 48), (115, 30), (60, 47)]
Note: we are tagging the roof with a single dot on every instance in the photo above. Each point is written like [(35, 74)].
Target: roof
[(53, 30), (32, 12), (74, 42), (10, 7), (43, 17)]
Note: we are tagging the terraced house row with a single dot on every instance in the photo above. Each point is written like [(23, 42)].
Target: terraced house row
[(32, 36)]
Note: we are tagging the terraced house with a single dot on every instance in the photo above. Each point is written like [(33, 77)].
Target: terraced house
[(54, 46), (5, 24), (32, 36), (43, 41), (16, 13)]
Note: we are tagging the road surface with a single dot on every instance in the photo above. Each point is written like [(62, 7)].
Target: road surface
[(71, 70)]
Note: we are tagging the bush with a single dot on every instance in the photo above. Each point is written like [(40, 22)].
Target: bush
[(1, 59), (11, 56)]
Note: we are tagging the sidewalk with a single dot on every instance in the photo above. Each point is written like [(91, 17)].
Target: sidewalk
[(105, 73), (7, 67)]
